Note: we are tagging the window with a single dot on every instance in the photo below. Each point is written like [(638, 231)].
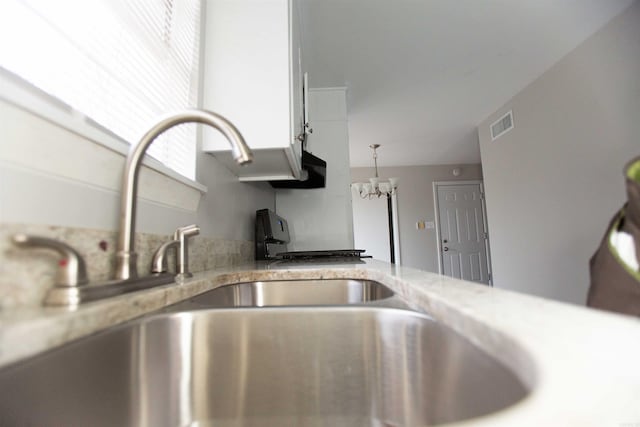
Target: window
[(121, 63)]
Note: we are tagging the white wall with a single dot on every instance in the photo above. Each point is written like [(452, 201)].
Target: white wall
[(83, 190), (56, 169), (418, 248), (321, 218), (554, 181), (371, 227)]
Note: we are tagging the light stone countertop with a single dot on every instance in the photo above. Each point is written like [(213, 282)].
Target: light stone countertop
[(583, 365)]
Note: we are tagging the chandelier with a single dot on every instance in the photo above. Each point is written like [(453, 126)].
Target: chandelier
[(375, 187)]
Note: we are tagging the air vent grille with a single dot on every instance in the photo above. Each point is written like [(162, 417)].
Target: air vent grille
[(501, 126)]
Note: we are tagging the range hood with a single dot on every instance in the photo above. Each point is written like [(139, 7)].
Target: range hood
[(314, 171)]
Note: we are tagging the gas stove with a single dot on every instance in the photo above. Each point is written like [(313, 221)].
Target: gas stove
[(272, 237), (323, 255), (335, 256)]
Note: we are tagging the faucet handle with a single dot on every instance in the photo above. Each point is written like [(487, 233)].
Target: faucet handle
[(72, 271), (159, 261), (182, 260), (186, 231)]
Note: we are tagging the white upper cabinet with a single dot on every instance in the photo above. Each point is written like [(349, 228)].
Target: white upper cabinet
[(253, 77)]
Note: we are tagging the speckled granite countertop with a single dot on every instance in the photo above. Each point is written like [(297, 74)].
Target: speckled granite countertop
[(582, 365)]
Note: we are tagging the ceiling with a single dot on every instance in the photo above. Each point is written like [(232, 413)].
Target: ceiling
[(422, 74)]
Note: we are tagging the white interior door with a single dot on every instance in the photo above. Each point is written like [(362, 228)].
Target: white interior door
[(462, 232)]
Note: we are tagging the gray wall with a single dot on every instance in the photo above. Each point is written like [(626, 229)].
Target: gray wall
[(553, 182), (418, 248), (228, 210)]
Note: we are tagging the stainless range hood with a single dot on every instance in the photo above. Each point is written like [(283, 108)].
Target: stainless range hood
[(315, 171)]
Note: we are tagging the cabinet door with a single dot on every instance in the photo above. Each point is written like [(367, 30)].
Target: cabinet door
[(247, 71), (253, 77), (297, 77)]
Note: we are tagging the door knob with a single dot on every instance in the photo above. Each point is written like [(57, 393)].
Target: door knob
[(446, 249), (445, 241)]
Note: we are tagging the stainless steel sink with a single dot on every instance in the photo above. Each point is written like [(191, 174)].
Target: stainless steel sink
[(330, 366), (289, 292)]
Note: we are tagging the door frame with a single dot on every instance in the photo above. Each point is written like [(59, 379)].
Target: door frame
[(393, 219), (436, 205)]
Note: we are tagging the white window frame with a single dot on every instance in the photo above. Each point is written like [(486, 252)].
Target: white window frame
[(29, 98), (19, 93)]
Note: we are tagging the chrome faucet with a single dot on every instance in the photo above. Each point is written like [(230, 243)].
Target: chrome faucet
[(126, 255), (72, 285)]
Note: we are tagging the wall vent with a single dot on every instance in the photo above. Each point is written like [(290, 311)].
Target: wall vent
[(501, 126)]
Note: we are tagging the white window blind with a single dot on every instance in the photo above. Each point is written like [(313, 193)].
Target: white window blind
[(122, 63)]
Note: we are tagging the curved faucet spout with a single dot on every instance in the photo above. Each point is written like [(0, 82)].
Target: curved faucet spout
[(126, 256)]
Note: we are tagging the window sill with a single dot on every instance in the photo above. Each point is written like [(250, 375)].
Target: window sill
[(18, 93)]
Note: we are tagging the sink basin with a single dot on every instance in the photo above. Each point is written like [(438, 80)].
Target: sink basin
[(289, 292), (338, 366)]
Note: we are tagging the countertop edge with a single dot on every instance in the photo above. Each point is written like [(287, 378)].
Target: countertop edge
[(580, 363)]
